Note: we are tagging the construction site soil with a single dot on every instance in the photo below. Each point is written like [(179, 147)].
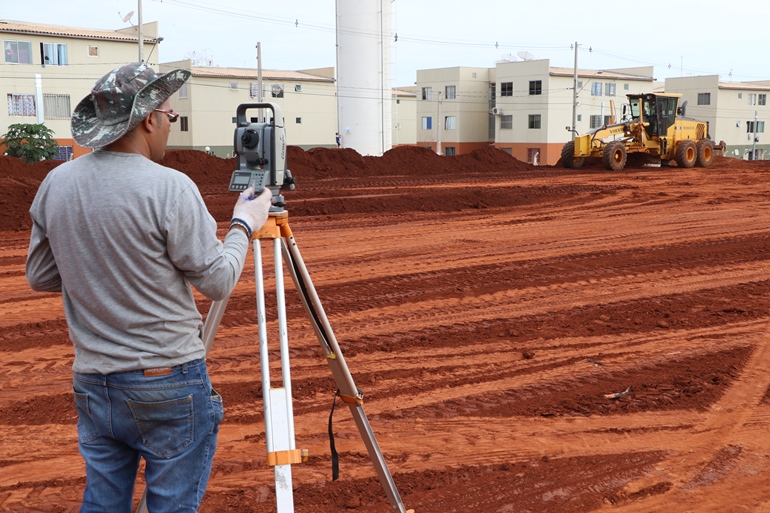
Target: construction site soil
[(528, 339)]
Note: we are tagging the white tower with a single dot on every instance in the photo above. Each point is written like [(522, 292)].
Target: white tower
[(364, 38)]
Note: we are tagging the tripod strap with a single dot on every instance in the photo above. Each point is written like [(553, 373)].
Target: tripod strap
[(335, 456), (351, 401)]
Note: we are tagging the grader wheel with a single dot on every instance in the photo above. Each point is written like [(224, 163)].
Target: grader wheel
[(686, 154), (705, 153), (614, 156), (568, 158)]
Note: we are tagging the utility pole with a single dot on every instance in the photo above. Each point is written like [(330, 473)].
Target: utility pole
[(260, 98), (141, 40), (754, 143), (438, 126), (574, 92)]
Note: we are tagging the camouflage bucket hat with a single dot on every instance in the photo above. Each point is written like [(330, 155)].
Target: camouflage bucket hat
[(120, 100)]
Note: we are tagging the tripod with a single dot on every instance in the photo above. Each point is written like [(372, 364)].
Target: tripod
[(278, 413)]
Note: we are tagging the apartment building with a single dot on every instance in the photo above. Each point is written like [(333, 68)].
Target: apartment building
[(46, 70), (736, 112), (208, 102), (528, 107), (523, 107), (403, 112), (533, 105), (453, 108)]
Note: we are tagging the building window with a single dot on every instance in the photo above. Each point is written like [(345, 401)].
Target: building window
[(56, 106), (184, 124), (276, 90), (427, 93), (253, 89), (506, 122), (473, 75), (65, 153), (298, 121), (427, 123), (750, 127), (609, 89), (596, 89), (763, 99), (183, 91), (535, 87), (297, 88), (54, 54), (506, 88), (450, 151), (93, 51), (534, 121), (580, 117), (398, 102), (234, 85), (740, 96), (595, 122), (579, 85), (492, 96), (704, 98), (625, 87), (449, 123), (450, 92), (18, 52), (752, 98), (21, 105)]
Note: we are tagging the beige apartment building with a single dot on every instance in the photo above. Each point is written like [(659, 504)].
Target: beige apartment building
[(524, 108), (403, 112), (453, 106), (46, 70), (209, 99), (736, 112)]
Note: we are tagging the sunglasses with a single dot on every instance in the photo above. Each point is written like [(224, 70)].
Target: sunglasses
[(172, 116)]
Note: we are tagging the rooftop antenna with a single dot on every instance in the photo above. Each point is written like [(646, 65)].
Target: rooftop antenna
[(525, 56), (127, 17)]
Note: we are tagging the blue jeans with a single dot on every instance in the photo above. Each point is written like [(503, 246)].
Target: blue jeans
[(171, 420)]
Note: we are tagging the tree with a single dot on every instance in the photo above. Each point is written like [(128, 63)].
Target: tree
[(30, 142)]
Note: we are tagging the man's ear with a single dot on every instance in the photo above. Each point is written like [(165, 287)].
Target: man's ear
[(150, 123)]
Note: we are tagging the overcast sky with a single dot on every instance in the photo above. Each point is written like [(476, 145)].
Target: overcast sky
[(677, 37)]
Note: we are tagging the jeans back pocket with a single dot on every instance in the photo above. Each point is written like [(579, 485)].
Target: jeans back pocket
[(166, 427)]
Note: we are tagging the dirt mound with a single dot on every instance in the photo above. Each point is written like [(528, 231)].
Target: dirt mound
[(19, 181)]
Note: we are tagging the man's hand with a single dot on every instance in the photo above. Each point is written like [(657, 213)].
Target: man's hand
[(252, 211)]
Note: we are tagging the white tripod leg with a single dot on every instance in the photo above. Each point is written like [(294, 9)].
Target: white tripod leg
[(279, 414)]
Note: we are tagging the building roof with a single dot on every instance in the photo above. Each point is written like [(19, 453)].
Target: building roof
[(743, 86), (21, 27), (405, 91), (612, 75), (267, 74)]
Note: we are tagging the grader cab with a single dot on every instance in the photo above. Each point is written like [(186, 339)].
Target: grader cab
[(654, 125)]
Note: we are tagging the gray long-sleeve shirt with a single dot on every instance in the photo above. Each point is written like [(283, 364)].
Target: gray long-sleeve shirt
[(123, 238)]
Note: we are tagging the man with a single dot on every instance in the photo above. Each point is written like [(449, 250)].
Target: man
[(124, 238)]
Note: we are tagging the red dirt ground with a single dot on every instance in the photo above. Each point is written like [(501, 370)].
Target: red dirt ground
[(489, 310)]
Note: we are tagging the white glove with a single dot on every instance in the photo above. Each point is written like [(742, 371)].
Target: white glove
[(252, 211)]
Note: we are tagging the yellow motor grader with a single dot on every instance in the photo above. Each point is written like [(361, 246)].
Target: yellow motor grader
[(654, 125)]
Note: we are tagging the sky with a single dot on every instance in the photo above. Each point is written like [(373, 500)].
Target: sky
[(677, 37)]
